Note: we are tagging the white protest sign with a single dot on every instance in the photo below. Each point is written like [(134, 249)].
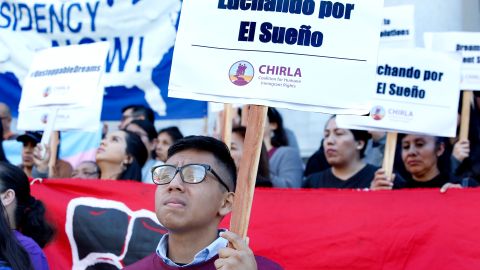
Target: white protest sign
[(398, 29), (466, 43), (67, 80), (68, 117), (66, 75), (304, 55), (417, 92)]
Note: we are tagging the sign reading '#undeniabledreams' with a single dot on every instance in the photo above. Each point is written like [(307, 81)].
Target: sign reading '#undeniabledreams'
[(465, 43), (297, 54), (417, 92)]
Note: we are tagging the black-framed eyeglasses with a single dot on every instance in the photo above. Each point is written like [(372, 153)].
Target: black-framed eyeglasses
[(189, 173)]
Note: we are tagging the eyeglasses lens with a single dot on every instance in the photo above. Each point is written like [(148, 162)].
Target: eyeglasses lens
[(193, 174)]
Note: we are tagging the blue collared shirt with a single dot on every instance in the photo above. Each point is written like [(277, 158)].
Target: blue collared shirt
[(202, 256)]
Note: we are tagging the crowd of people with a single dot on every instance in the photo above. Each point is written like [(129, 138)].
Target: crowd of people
[(346, 158)]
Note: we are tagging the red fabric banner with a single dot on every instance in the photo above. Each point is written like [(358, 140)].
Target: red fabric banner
[(112, 223)]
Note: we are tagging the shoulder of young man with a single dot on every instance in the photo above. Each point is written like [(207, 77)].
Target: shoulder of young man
[(266, 264), (151, 262)]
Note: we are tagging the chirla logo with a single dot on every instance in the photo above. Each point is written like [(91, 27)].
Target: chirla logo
[(46, 92), (44, 118), (377, 113), (241, 73)]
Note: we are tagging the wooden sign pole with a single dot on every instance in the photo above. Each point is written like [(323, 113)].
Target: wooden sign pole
[(53, 153), (248, 170), (465, 117), (227, 124), (244, 119), (389, 154)]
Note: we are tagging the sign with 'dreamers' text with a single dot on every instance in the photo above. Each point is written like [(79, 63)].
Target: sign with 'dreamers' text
[(398, 27), (297, 54), (65, 80), (465, 43), (417, 91)]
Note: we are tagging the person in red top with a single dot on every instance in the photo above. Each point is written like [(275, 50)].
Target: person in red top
[(196, 190)]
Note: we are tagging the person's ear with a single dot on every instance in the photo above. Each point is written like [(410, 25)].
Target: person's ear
[(440, 149), (128, 160), (227, 204), (8, 197), (360, 144), (273, 126)]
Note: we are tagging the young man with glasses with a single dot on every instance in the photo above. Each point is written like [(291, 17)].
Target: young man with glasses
[(195, 192)]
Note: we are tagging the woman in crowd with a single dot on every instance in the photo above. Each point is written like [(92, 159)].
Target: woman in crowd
[(86, 170), (465, 159), (286, 166), (344, 150), (426, 160), (166, 137), (12, 254), (26, 215), (121, 156), (263, 173)]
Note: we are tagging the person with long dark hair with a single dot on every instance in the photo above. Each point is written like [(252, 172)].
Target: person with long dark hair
[(236, 149), (344, 150), (146, 131), (12, 254), (425, 163), (286, 166), (166, 137), (121, 156), (465, 158), (26, 215)]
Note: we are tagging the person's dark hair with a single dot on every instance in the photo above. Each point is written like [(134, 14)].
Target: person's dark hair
[(358, 135), (138, 151), (361, 135), (211, 145), (263, 172), (173, 131), (443, 161), (3, 158), (30, 212), (11, 251), (470, 167), (140, 110), (279, 137), (147, 126)]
